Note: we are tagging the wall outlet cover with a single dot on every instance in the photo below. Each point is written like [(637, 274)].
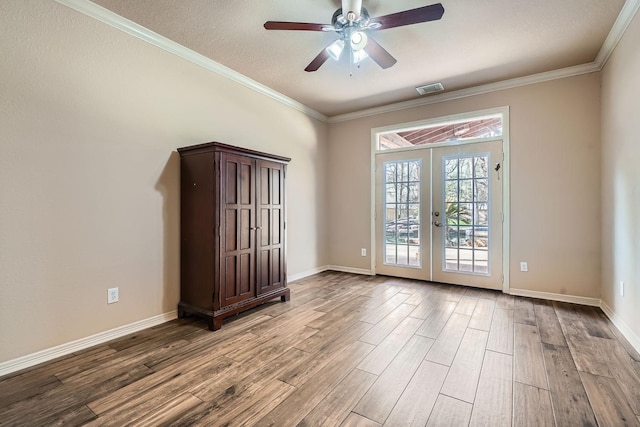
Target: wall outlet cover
[(112, 295)]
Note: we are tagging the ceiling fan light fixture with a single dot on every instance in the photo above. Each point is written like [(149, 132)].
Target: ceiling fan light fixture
[(359, 55), (335, 49), (358, 40)]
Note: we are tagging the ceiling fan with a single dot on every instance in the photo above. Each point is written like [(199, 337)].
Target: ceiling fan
[(352, 28)]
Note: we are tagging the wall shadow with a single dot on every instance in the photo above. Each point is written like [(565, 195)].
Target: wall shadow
[(168, 185)]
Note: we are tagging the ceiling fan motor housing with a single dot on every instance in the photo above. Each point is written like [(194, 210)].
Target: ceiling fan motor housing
[(339, 21), (352, 9)]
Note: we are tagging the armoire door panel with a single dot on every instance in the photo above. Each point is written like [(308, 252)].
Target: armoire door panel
[(230, 227), (275, 226), (245, 286), (246, 185), (264, 266), (265, 187), (239, 172), (265, 215), (271, 237), (230, 278), (276, 187), (276, 266), (231, 178), (245, 228)]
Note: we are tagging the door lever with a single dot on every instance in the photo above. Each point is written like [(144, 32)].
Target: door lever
[(437, 223)]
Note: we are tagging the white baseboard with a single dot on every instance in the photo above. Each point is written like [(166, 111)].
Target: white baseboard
[(628, 333), (624, 329), (324, 268), (83, 343), (350, 270), (307, 273), (595, 302)]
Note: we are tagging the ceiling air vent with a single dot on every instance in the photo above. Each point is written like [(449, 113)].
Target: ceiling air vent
[(427, 89)]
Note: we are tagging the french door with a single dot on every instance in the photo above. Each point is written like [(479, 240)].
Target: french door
[(439, 214)]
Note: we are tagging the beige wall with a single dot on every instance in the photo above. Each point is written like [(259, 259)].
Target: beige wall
[(621, 179), (90, 118), (555, 182)]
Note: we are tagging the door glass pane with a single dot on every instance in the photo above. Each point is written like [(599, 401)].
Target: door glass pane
[(465, 168), (451, 170), (482, 212), (391, 193), (391, 173), (466, 190), (466, 196), (451, 189), (481, 189), (402, 213), (481, 168)]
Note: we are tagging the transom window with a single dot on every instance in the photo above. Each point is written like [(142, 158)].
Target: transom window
[(458, 130)]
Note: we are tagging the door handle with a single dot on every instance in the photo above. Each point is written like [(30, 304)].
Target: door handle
[(437, 223), (255, 228)]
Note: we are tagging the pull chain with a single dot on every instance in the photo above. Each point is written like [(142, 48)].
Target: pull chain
[(350, 62)]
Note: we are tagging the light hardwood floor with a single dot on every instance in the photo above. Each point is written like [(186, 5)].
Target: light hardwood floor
[(349, 350)]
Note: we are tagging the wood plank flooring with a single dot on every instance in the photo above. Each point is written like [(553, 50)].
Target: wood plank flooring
[(349, 350)]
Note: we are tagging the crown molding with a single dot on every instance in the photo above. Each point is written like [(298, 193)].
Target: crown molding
[(623, 21), (103, 15), (472, 91)]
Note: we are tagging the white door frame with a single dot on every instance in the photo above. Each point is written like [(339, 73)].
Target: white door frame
[(506, 197)]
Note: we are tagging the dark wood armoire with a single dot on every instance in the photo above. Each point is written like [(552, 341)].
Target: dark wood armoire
[(232, 230)]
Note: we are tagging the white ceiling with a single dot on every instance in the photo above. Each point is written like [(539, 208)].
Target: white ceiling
[(475, 43)]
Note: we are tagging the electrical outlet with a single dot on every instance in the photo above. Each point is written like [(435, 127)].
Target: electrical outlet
[(112, 295), (524, 266), (363, 252), (621, 288)]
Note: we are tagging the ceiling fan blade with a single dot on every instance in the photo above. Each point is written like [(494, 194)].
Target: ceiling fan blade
[(296, 26), (351, 6), (379, 54), (413, 16), (318, 61)]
